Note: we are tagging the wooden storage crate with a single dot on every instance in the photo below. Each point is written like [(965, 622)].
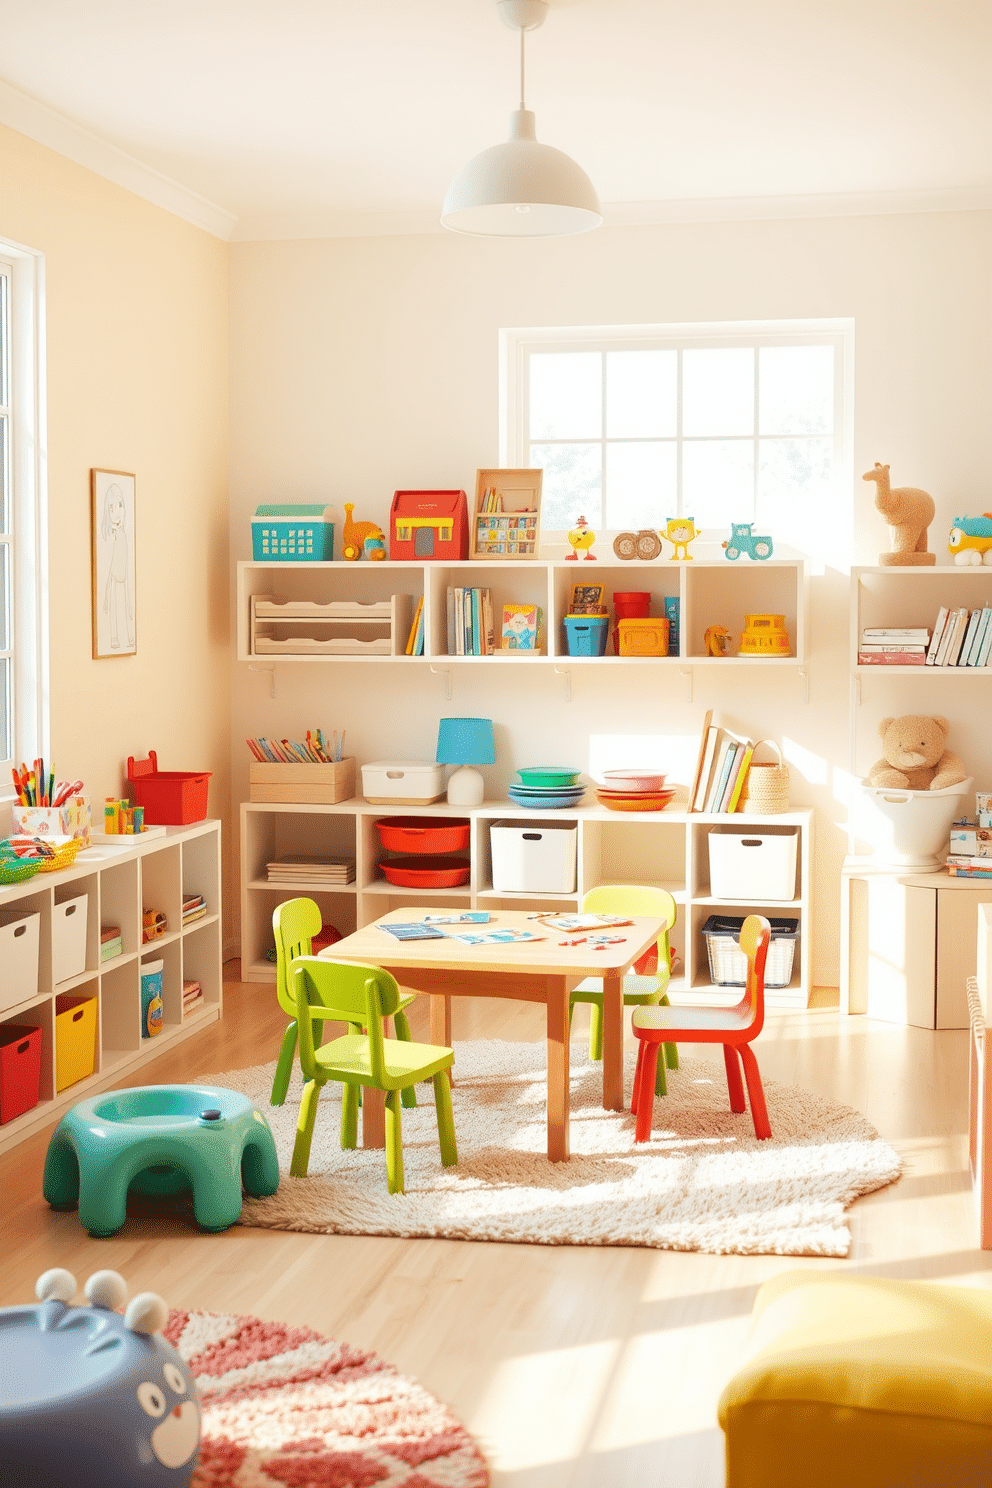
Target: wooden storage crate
[(512, 530), (302, 785)]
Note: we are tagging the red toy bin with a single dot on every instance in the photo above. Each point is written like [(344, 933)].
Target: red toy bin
[(20, 1070), (171, 798)]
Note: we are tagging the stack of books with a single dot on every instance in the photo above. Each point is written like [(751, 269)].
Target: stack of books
[(192, 996), (194, 907), (312, 870), (111, 944), (971, 851), (893, 647), (721, 769), (961, 638), (471, 629)]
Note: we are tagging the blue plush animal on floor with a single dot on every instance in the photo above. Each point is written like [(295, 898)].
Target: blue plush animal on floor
[(91, 1399)]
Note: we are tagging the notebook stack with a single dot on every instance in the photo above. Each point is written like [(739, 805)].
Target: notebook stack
[(893, 647), (110, 942), (312, 870), (194, 907), (192, 996)]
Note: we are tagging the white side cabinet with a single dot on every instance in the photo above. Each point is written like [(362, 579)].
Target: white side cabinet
[(667, 848), (116, 883)]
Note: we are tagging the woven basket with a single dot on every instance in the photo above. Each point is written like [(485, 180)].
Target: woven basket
[(766, 785)]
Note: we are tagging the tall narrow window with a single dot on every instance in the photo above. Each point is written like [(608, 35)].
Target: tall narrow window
[(6, 532)]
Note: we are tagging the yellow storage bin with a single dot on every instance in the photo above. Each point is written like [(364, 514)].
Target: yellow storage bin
[(75, 1038), (648, 637)]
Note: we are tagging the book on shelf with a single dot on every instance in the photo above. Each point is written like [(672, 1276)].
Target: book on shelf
[(888, 645), (411, 639), (313, 869), (672, 614), (984, 619), (721, 768), (938, 635), (521, 627), (916, 657), (985, 645), (969, 637), (951, 640), (894, 633), (958, 870)]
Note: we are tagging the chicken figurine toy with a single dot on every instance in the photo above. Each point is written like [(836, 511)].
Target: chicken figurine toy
[(581, 536), (716, 638)]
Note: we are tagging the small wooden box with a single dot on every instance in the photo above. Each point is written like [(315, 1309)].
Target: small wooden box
[(302, 785), (506, 515)]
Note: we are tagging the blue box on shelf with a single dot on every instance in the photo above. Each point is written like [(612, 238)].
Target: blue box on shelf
[(585, 635), (293, 533)]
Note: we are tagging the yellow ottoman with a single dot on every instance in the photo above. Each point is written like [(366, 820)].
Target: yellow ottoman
[(862, 1383)]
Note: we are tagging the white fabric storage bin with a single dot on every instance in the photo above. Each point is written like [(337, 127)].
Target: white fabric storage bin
[(69, 938), (19, 939), (400, 783), (753, 865), (533, 857)]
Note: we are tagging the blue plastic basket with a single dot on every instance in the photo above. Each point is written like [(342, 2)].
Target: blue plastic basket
[(293, 533), (585, 635)]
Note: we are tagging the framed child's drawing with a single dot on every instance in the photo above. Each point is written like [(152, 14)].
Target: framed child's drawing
[(112, 519)]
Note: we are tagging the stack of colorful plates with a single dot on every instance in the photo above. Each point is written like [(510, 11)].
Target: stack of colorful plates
[(633, 790), (547, 788)]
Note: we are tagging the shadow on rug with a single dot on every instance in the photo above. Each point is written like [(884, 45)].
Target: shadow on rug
[(285, 1405), (703, 1182)]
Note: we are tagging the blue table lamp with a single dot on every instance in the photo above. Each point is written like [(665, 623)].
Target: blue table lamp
[(466, 742)]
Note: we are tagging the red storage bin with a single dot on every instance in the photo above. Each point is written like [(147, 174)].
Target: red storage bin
[(171, 798), (423, 834), (20, 1069)]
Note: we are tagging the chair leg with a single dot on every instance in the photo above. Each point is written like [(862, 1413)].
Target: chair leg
[(408, 1094), (284, 1067), (645, 1100), (635, 1094), (304, 1129), (596, 1031), (445, 1120), (350, 1097), (755, 1090), (671, 1050), (660, 1080), (734, 1082), (394, 1143)]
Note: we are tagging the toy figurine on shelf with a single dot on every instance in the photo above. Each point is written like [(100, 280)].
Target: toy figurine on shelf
[(716, 638), (581, 536), (909, 512), (361, 537), (680, 532), (743, 540), (970, 540), (645, 544)]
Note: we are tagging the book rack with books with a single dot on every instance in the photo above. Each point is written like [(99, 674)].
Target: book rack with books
[(506, 514)]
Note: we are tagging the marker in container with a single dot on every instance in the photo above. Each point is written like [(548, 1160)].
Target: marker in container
[(110, 816), (139, 818)]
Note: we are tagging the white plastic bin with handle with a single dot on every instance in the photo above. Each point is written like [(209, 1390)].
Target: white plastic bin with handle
[(755, 865), (69, 938), (909, 829), (534, 857)]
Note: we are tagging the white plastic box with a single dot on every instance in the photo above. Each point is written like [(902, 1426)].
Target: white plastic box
[(400, 783), (533, 857), (19, 960), (69, 938), (753, 865)]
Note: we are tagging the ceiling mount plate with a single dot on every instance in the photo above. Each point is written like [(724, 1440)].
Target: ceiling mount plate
[(522, 15)]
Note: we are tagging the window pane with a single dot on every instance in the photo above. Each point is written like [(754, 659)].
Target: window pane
[(718, 390), (6, 740), (566, 395), (718, 481), (573, 484), (4, 340), (641, 484), (4, 596), (4, 474), (796, 390), (641, 394), (794, 489)]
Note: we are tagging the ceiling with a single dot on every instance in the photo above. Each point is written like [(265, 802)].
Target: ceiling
[(288, 118)]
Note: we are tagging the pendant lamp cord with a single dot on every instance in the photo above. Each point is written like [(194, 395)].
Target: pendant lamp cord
[(522, 34)]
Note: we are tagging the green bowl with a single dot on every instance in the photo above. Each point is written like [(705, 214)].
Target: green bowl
[(548, 775)]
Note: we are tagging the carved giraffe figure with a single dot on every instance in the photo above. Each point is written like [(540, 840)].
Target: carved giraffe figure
[(909, 513)]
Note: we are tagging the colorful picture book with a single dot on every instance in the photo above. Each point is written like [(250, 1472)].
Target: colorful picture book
[(471, 917), (569, 924), (721, 769), (506, 936), (418, 930), (521, 627)]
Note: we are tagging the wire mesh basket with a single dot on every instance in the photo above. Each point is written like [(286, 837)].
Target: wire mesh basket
[(728, 963)]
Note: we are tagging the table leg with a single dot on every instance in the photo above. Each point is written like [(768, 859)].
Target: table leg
[(557, 1000), (613, 1041), (441, 1025)]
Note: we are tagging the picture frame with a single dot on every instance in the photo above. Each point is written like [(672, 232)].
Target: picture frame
[(588, 599), (112, 534)]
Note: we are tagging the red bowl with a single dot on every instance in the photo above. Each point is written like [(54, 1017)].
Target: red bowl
[(423, 834), (426, 872)]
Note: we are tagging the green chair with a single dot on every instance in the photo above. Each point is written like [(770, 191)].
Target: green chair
[(294, 925), (362, 996), (638, 991)]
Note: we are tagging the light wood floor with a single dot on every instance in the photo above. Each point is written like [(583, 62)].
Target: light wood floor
[(574, 1367)]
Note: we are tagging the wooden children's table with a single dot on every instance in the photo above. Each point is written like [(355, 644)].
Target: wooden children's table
[(544, 970)]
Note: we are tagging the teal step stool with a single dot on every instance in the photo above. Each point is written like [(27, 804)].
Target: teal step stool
[(160, 1140)]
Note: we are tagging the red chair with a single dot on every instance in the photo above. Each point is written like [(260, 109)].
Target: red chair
[(733, 1027)]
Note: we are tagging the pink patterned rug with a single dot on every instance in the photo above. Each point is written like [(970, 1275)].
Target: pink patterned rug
[(284, 1407)]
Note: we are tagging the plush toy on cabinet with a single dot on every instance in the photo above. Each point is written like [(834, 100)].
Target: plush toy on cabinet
[(970, 540), (915, 756), (909, 512)]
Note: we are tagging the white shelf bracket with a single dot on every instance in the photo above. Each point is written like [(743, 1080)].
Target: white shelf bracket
[(804, 677), (857, 687), (686, 672), (271, 669), (444, 672), (566, 673)]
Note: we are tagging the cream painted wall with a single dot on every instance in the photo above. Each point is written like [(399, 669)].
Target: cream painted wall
[(361, 366), (137, 340)]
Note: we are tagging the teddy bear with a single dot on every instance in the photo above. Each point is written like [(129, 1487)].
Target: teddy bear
[(914, 755)]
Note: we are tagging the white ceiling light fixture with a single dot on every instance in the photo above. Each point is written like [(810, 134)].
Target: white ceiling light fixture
[(521, 189)]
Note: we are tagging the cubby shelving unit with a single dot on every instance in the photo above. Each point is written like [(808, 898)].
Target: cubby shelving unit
[(118, 881)]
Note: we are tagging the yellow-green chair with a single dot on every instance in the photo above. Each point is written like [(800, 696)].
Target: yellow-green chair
[(294, 925), (638, 991), (362, 996)]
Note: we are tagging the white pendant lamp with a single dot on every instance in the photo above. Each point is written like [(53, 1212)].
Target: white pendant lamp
[(521, 189)]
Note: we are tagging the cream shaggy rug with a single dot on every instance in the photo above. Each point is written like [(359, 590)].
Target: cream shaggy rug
[(703, 1182)]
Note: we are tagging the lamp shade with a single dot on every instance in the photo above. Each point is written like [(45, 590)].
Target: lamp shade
[(521, 189), (465, 741)]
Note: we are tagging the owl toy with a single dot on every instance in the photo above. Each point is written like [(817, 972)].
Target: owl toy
[(680, 532), (581, 536)]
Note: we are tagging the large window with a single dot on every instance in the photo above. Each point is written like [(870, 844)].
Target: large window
[(6, 532), (636, 424)]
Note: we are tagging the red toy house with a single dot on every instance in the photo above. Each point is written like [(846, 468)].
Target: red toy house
[(428, 524)]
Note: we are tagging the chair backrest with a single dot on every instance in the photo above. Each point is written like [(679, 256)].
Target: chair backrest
[(754, 940), (294, 924), (636, 899), (341, 992)]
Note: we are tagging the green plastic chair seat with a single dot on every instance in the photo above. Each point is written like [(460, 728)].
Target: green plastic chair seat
[(638, 991), (349, 1059)]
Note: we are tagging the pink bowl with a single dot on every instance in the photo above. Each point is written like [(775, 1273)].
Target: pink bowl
[(633, 780)]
